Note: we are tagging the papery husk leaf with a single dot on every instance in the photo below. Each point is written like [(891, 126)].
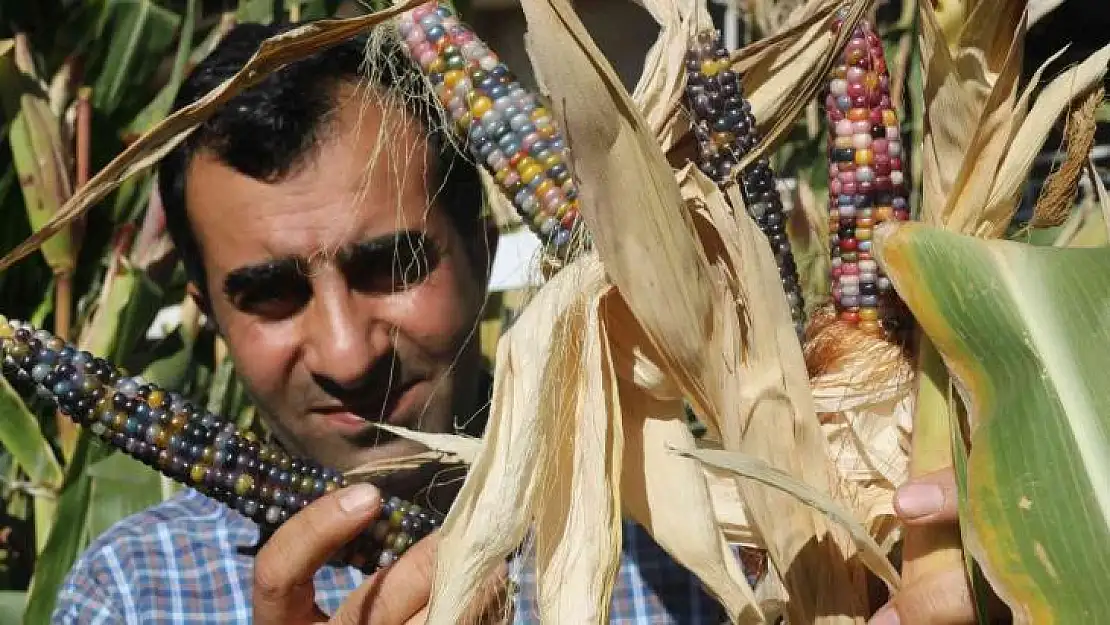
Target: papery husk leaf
[(498, 502), (629, 199), (407, 462), (1030, 137), (668, 495), (969, 104), (578, 525), (275, 53), (1086, 227), (766, 410), (1103, 196), (755, 469), (456, 447), (1023, 330)]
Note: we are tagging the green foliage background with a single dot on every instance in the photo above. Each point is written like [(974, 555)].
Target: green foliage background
[(131, 55)]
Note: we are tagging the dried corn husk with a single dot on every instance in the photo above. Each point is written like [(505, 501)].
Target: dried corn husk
[(593, 371)]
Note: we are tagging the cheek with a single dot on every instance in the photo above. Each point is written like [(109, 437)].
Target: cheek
[(440, 314), (262, 352)]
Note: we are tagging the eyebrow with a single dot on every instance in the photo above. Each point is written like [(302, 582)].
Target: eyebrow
[(250, 278), (243, 280), (379, 245)]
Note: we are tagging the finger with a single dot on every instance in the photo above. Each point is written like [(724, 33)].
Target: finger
[(394, 595), (931, 498), (283, 569), (939, 599)]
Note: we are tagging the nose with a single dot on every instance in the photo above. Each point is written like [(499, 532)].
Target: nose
[(343, 338)]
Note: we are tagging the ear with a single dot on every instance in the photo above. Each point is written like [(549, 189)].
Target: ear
[(202, 302)]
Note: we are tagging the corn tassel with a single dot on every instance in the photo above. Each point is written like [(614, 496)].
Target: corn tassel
[(193, 446), (867, 185)]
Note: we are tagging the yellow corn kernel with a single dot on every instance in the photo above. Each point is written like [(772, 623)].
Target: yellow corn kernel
[(479, 106)]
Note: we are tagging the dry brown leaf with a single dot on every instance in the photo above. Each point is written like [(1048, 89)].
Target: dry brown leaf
[(274, 53), (668, 495), (969, 104), (578, 521), (629, 198), (765, 409), (1057, 197), (1031, 135), (751, 468), (498, 502)]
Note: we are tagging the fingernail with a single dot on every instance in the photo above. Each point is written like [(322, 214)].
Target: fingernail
[(886, 616), (358, 497), (917, 500)]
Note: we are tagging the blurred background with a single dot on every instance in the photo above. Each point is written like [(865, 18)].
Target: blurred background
[(99, 73)]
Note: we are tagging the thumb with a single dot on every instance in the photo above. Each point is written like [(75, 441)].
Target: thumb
[(284, 568)]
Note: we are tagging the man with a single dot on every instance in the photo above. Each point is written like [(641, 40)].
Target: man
[(335, 238)]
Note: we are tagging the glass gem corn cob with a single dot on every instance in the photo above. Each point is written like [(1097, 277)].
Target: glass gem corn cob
[(867, 185), (726, 130), (193, 446), (505, 127)]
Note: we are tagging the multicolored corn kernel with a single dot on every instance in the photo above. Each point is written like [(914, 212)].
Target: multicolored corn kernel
[(726, 129), (867, 184), (505, 127), (193, 446)]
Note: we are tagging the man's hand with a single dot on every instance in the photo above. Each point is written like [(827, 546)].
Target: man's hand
[(284, 568), (943, 598)]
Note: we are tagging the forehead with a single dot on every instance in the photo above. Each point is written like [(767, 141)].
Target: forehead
[(368, 176)]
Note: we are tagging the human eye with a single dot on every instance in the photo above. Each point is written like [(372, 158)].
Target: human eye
[(273, 291), (392, 264)]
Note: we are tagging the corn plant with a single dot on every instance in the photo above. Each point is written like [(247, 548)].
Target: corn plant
[(677, 301), (82, 80)]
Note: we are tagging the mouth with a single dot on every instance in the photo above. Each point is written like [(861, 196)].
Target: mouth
[(353, 418)]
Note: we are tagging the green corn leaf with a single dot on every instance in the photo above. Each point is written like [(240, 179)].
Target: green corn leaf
[(1025, 332), (21, 436), (138, 32), (12, 603), (160, 106), (260, 11), (314, 9), (121, 486), (68, 536), (40, 157)]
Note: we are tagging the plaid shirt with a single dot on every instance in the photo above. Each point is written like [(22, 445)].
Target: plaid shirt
[(176, 563)]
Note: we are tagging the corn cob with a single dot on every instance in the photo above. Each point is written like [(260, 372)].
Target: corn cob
[(726, 129), (867, 185), (193, 446), (505, 127)]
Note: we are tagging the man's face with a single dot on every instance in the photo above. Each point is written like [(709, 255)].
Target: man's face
[(344, 294)]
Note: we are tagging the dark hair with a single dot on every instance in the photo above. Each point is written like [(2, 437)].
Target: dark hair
[(268, 130)]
